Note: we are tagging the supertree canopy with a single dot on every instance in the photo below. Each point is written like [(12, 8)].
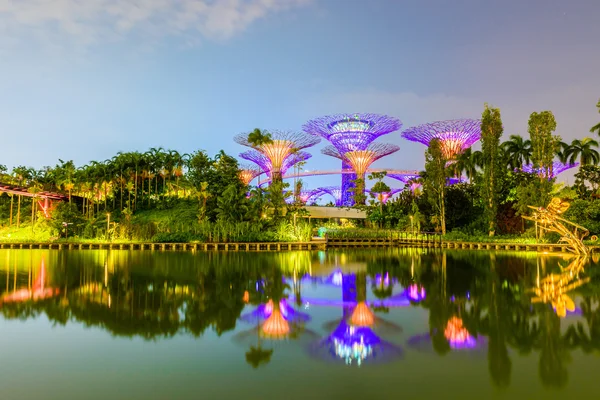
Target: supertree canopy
[(248, 173), (351, 132), (404, 178), (383, 197), (282, 145), (265, 163), (305, 196), (335, 192), (361, 160), (557, 168), (455, 135)]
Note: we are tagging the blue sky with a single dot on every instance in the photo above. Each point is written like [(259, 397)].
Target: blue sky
[(83, 80)]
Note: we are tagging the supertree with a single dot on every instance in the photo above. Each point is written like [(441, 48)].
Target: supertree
[(351, 132), (281, 146), (455, 135), (557, 168), (360, 160), (265, 163), (335, 192), (248, 173), (383, 197), (305, 196)]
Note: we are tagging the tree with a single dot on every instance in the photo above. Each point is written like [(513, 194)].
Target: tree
[(543, 143), (596, 128), (232, 204), (379, 188), (491, 131), (434, 182), (517, 151), (584, 150), (259, 137)]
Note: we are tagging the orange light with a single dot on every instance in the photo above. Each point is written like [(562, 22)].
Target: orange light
[(455, 331), (276, 326), (246, 297), (277, 151), (362, 315)]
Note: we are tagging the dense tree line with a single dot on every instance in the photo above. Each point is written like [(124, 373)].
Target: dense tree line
[(499, 189)]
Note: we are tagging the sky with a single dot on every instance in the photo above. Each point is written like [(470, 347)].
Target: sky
[(83, 80)]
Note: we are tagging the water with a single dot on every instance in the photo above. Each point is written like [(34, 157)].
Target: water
[(368, 324)]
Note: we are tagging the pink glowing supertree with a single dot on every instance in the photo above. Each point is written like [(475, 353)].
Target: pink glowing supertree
[(265, 163), (455, 135), (281, 146), (557, 168), (360, 160)]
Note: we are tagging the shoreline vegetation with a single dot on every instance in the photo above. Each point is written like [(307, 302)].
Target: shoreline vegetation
[(163, 196)]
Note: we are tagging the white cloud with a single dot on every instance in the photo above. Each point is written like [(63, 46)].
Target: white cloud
[(85, 22)]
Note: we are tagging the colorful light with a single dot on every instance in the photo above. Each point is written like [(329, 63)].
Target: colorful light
[(415, 292), (265, 163), (276, 326), (283, 144), (248, 173), (557, 168), (455, 135), (335, 192), (458, 336), (351, 132), (362, 316)]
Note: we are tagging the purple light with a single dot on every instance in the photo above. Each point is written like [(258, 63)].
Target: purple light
[(265, 163), (264, 311), (306, 196), (384, 197), (335, 192), (415, 292), (455, 135), (351, 132), (557, 168)]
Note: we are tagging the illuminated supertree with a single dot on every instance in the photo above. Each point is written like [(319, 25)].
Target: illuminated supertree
[(557, 168), (306, 196), (361, 160), (384, 196), (248, 173), (265, 163), (335, 192), (351, 132), (455, 135), (282, 145), (408, 180)]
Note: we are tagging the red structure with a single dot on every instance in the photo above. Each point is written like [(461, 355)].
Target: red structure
[(45, 199)]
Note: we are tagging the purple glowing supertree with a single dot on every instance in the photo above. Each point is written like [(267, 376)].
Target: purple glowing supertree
[(360, 160), (265, 163), (282, 145), (335, 192), (351, 132), (455, 135), (409, 180), (305, 196), (557, 168)]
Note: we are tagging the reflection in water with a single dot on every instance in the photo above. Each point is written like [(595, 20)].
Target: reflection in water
[(553, 288), (469, 301)]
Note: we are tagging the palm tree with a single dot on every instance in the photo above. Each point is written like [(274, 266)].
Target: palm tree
[(517, 150), (257, 137), (468, 162), (584, 150), (561, 151), (596, 128)]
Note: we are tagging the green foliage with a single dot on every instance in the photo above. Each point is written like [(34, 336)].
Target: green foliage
[(232, 204), (585, 213), (434, 182), (543, 144), (491, 131), (67, 220)]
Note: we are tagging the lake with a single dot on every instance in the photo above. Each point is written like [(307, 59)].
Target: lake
[(341, 324)]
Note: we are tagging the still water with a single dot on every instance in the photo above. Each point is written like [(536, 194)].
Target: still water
[(364, 324)]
